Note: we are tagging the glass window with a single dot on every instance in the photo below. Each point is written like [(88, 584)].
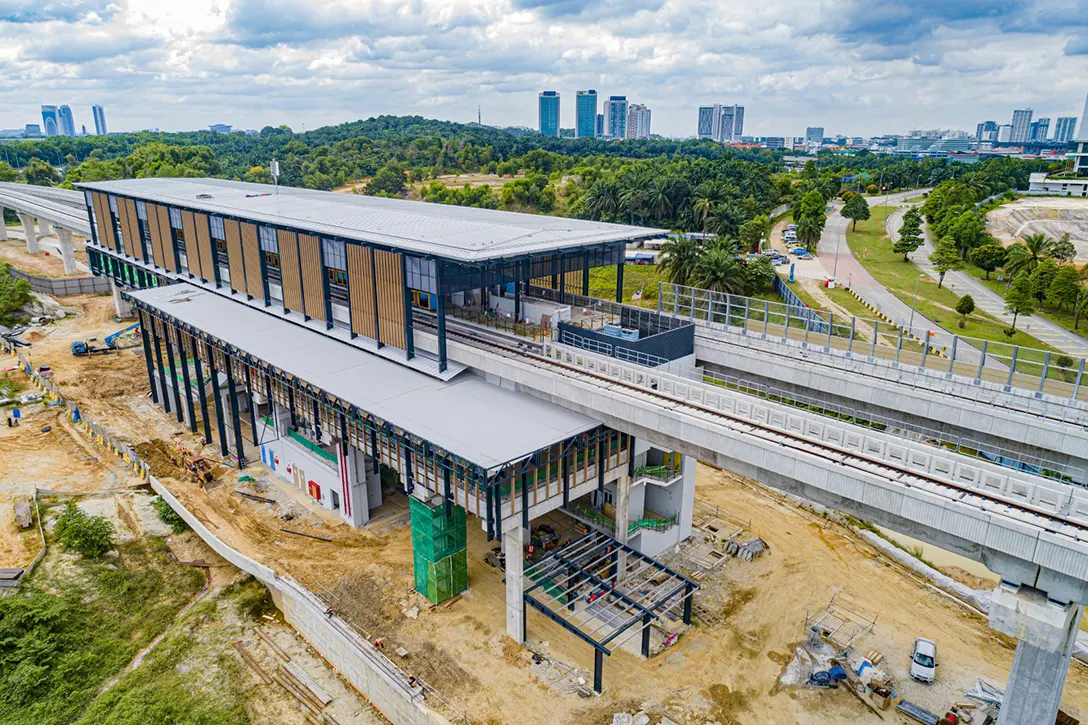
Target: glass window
[(141, 211), (175, 218), (420, 273), (113, 203), (268, 240), (88, 198), (216, 223), (335, 254), (336, 269)]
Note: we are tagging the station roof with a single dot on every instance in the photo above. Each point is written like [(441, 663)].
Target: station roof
[(468, 417), (463, 234)]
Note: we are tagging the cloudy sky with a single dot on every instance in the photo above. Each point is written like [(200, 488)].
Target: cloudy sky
[(852, 66)]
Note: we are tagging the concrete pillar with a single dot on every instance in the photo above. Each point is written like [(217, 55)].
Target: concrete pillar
[(1046, 631), (120, 305), (31, 235), (3, 226), (513, 542), (67, 251), (45, 227), (623, 517), (354, 504)]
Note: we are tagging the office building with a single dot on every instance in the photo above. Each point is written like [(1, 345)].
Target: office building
[(99, 119), (1080, 156), (638, 121), (66, 125), (706, 127), (986, 131), (600, 124), (724, 124), (1004, 133), (1021, 126), (548, 111), (814, 135), (33, 130), (50, 125), (617, 117), (220, 127), (1040, 130), (1064, 128), (775, 142), (585, 121)]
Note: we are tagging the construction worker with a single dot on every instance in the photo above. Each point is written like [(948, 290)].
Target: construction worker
[(328, 612), (379, 643)]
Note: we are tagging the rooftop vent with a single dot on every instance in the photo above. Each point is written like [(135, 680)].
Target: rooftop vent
[(203, 196)]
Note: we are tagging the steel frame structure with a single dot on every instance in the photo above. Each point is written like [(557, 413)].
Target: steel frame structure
[(605, 592)]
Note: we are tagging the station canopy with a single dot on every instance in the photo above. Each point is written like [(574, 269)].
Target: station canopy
[(463, 234), (467, 416)]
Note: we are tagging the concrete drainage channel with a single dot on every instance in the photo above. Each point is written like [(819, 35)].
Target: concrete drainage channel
[(373, 675)]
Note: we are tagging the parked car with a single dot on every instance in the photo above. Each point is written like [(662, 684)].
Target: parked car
[(791, 227), (779, 261), (923, 660)]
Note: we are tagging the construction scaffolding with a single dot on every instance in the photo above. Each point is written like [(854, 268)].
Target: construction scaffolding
[(439, 549), (840, 624), (605, 593)]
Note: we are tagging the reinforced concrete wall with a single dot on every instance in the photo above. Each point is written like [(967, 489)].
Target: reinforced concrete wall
[(63, 286), (346, 650)]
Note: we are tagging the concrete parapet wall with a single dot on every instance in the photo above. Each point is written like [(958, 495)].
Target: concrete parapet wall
[(62, 286)]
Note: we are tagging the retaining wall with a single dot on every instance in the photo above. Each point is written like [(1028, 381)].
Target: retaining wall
[(63, 286)]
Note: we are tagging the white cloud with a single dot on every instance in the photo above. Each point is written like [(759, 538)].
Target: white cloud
[(853, 66)]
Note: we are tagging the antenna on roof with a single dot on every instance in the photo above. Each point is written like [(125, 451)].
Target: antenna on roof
[(274, 169)]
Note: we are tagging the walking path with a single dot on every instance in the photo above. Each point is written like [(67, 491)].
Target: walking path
[(840, 262), (989, 301)]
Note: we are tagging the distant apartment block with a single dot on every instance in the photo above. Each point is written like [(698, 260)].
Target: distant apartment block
[(1040, 130), (66, 124), (638, 121), (548, 111), (1021, 126), (775, 142), (617, 117), (1004, 133), (986, 131), (600, 124), (585, 121), (99, 114), (1064, 128), (723, 124), (814, 135)]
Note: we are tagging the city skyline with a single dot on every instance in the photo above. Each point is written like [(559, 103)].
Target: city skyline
[(282, 61)]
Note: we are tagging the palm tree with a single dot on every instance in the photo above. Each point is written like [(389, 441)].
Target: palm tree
[(679, 257), (722, 221), (720, 270), (601, 199), (1025, 255), (702, 207), (657, 198)]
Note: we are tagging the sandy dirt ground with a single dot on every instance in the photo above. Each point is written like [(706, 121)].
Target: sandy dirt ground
[(1049, 215), (47, 262), (725, 672)]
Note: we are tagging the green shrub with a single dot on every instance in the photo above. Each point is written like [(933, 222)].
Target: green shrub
[(169, 516), (89, 535)]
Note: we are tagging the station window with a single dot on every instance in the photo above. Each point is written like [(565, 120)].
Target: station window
[(219, 234), (94, 217), (179, 239), (145, 231), (336, 269), (270, 248), (115, 218), (421, 275)]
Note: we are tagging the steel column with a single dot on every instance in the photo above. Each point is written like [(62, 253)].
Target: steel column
[(598, 666), (565, 469), (689, 592), (646, 619), (374, 457), (619, 280), (234, 419), (173, 376), (188, 385), (525, 499), (162, 368), (981, 361), (447, 488), (252, 405), (220, 419), (147, 355), (199, 369), (291, 405), (1012, 367)]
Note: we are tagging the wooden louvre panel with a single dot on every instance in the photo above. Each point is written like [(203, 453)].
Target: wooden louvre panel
[(204, 247), (192, 254), (235, 261), (390, 279), (135, 241), (289, 273), (157, 250), (166, 232), (103, 219), (125, 243), (251, 251), (361, 291), (313, 279)]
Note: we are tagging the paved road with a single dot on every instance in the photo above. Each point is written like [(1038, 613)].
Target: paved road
[(838, 261), (991, 302)]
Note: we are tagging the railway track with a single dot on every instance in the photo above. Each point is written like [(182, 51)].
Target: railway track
[(532, 353)]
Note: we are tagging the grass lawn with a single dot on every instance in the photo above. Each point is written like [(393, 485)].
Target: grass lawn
[(848, 302), (602, 283), (1066, 319), (870, 245)]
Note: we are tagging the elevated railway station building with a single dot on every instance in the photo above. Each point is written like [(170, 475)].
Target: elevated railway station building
[(310, 329)]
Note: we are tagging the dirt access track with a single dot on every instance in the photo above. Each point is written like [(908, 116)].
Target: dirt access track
[(726, 672)]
